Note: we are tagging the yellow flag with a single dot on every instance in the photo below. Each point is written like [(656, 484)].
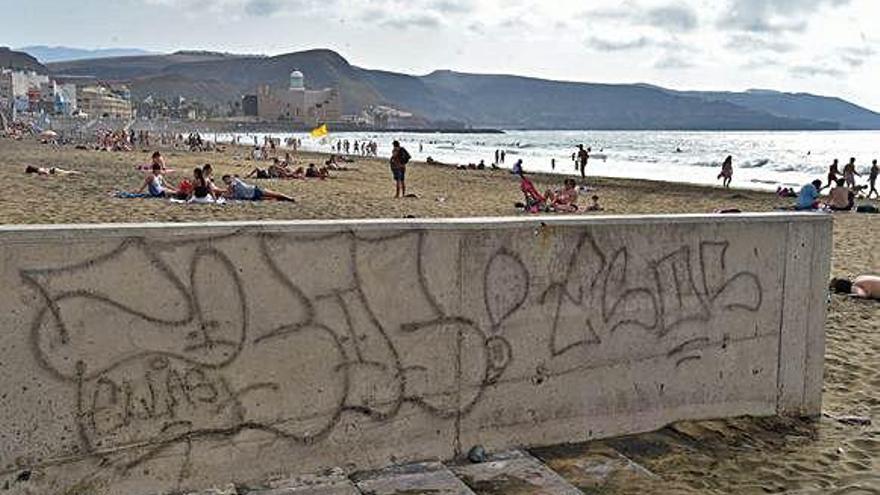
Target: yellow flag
[(319, 132)]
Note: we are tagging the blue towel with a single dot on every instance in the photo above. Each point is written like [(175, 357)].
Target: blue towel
[(128, 195)]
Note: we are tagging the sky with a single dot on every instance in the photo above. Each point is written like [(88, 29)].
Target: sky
[(828, 47)]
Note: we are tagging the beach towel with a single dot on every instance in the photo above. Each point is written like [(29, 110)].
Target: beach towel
[(129, 195)]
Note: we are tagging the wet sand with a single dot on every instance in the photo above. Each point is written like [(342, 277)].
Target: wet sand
[(743, 455)]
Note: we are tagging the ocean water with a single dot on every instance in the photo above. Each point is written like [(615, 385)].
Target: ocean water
[(762, 160)]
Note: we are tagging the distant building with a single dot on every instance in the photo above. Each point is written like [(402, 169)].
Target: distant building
[(249, 106), (65, 98), (22, 90), (298, 105), (101, 101)]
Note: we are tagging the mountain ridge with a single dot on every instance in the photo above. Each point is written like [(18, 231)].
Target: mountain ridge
[(478, 100)]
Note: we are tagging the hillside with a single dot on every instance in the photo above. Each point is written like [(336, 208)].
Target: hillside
[(500, 101), (19, 60), (46, 54)]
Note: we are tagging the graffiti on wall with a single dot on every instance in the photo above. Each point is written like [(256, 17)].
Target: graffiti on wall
[(164, 344)]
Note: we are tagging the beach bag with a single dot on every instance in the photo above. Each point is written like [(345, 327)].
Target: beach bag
[(867, 209), (404, 156)]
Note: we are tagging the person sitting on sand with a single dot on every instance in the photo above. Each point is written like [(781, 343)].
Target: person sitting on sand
[(313, 172), (594, 204), (241, 190), (864, 286), (841, 198), (155, 184), (208, 175), (564, 201), (808, 197), (45, 172), (201, 190)]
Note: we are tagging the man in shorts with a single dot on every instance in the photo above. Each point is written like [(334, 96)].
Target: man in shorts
[(399, 158)]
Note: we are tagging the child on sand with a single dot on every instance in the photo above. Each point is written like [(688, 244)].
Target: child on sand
[(594, 204)]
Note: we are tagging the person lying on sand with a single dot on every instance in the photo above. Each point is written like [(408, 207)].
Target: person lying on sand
[(864, 286), (565, 200), (155, 184), (30, 169), (241, 190)]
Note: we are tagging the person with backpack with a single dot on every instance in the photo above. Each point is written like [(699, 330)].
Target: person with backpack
[(399, 158)]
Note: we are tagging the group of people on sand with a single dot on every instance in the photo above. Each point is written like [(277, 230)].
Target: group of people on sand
[(562, 200), (201, 188), (842, 189)]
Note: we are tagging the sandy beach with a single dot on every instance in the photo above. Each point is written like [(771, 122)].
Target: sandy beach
[(743, 455)]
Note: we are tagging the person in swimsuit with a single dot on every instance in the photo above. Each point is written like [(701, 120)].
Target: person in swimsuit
[(850, 174), (155, 184), (863, 286), (833, 174), (201, 191), (30, 169), (241, 190), (872, 180), (564, 201)]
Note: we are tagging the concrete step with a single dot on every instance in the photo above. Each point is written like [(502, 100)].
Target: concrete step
[(513, 473), (331, 484), (428, 477)]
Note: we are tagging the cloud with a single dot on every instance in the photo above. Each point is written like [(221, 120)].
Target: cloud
[(673, 62), (677, 17), (425, 21), (753, 43), (807, 71), (262, 8), (857, 56), (452, 6), (772, 16), (607, 45)]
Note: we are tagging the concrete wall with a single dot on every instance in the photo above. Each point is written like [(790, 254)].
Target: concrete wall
[(143, 359)]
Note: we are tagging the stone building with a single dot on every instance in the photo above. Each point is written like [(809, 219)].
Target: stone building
[(298, 105), (100, 101)]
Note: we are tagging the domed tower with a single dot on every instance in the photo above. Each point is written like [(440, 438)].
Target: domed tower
[(297, 80)]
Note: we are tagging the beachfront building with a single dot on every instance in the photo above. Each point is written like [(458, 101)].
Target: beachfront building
[(102, 101), (298, 105), (22, 90)]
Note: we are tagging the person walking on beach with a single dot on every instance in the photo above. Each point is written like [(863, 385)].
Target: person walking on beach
[(833, 174), (553, 164), (849, 173), (503, 156), (399, 158), (727, 171), (872, 180), (497, 157), (583, 156)]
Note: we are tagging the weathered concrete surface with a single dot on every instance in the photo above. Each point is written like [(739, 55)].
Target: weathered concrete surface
[(142, 359), (514, 473), (426, 477)]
